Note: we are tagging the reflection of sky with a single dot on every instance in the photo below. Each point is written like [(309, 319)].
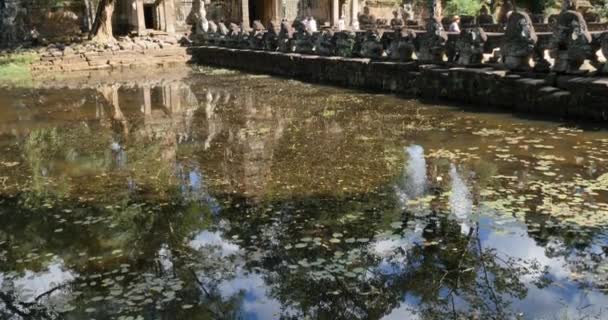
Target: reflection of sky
[(214, 239), (414, 180), (405, 310), (32, 284), (194, 187), (256, 304), (560, 300)]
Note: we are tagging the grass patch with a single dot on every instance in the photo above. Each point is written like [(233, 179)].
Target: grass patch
[(15, 68)]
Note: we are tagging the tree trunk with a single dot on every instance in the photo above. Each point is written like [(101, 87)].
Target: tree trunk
[(102, 27)]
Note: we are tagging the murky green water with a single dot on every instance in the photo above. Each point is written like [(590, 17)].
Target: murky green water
[(215, 194)]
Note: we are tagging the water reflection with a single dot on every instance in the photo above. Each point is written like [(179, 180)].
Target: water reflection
[(222, 195)]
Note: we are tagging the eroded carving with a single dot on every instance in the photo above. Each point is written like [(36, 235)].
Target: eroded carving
[(520, 39), (431, 47), (571, 43), (371, 46), (403, 45), (470, 46)]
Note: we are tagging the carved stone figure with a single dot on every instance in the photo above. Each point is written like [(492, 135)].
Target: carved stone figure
[(372, 47), (234, 36), (286, 38), (366, 19), (397, 22), (271, 37), (484, 16), (345, 43), (222, 34), (244, 37), (571, 42), (469, 46), (325, 44), (256, 36), (403, 45), (303, 38), (212, 34), (197, 18), (431, 45), (518, 44)]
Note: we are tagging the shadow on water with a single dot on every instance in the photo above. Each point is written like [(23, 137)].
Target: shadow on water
[(222, 195)]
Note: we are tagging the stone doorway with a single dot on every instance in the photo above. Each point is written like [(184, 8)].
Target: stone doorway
[(149, 16), (263, 10)]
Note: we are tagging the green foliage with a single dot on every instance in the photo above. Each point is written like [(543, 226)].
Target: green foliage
[(463, 7), (15, 68)]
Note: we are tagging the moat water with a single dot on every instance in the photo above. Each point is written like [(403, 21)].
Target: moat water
[(213, 194)]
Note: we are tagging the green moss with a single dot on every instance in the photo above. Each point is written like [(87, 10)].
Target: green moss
[(15, 68)]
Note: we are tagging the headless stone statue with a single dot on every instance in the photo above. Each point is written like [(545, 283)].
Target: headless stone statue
[(345, 43), (271, 37), (325, 44), (303, 38), (432, 43), (286, 37), (484, 16), (469, 46), (397, 22), (571, 42), (256, 36), (518, 44), (366, 20), (371, 47), (403, 45)]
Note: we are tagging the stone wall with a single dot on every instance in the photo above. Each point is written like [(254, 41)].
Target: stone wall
[(127, 53), (567, 96)]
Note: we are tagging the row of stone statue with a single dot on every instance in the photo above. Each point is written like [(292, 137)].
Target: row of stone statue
[(570, 45)]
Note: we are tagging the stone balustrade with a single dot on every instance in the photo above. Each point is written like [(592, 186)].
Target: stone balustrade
[(473, 46)]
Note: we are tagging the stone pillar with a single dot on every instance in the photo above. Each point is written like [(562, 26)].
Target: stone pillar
[(136, 18), (169, 12), (354, 14), (335, 12), (245, 14), (276, 10)]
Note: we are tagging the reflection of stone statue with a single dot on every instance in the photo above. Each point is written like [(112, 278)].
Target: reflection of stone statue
[(571, 43), (366, 19), (397, 22), (403, 45), (256, 37), (345, 42), (197, 18), (518, 44), (271, 37), (325, 44), (303, 38), (286, 37), (484, 16), (431, 47), (469, 46), (371, 47)]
